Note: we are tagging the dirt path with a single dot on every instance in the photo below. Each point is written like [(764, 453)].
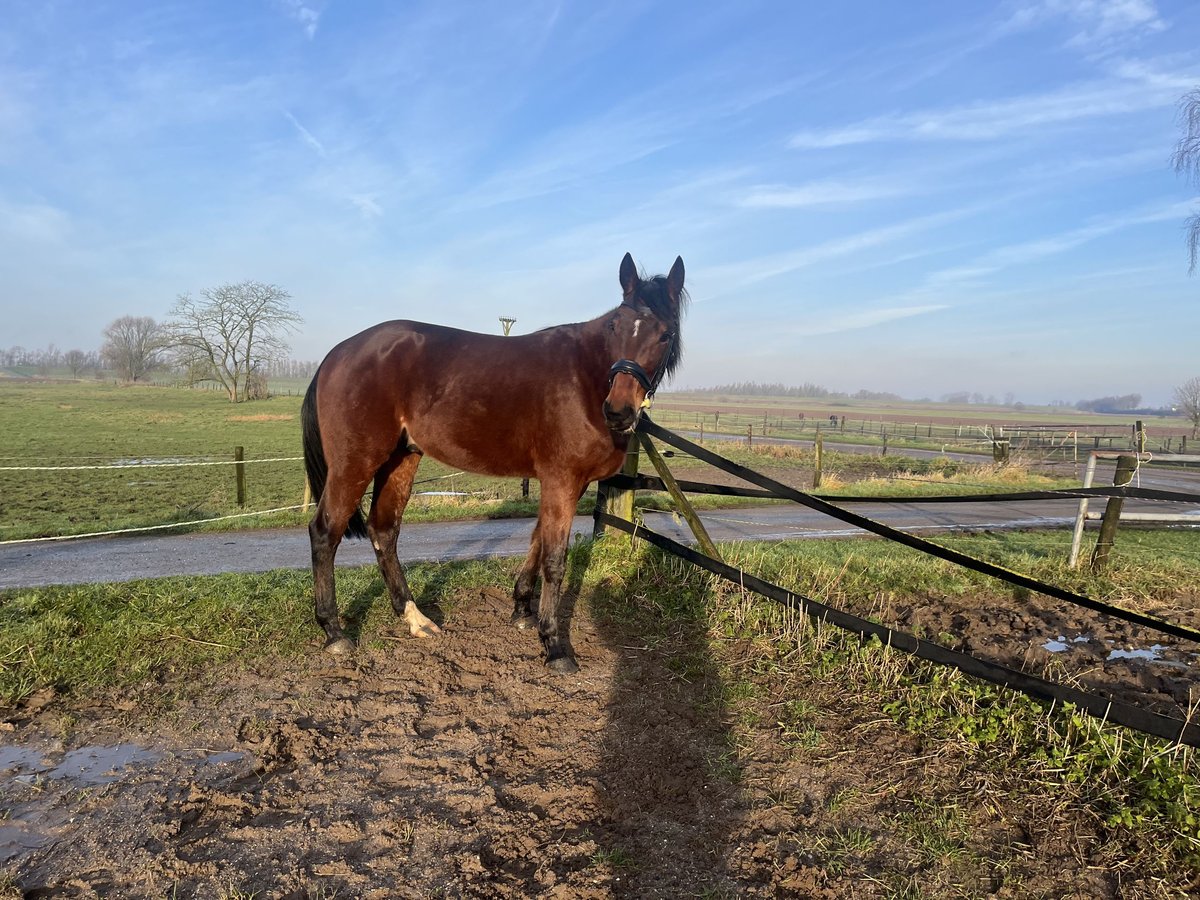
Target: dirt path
[(462, 768), (457, 767)]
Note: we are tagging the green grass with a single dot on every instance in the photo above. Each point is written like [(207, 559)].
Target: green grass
[(97, 423)]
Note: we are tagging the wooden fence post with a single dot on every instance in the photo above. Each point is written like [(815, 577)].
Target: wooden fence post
[(682, 505), (1081, 516), (818, 448), (749, 436), (239, 454), (621, 501), (1126, 466)]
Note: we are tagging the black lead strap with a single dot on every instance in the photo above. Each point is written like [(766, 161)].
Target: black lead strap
[(782, 491)]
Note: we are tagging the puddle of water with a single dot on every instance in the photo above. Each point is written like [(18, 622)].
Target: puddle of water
[(22, 759), (1061, 643), (1151, 655), (221, 757), (87, 765), (15, 841), (101, 765)]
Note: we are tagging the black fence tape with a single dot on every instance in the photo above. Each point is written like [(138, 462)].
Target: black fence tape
[(1121, 713), (651, 483), (782, 491)]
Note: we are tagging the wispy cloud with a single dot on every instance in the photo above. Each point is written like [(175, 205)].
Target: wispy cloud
[(306, 135), (1026, 252), (821, 193), (1139, 87), (38, 222), (761, 268), (866, 318), (366, 205), (304, 13), (1098, 25)]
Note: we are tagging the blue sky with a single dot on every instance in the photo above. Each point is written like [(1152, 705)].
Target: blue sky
[(921, 197)]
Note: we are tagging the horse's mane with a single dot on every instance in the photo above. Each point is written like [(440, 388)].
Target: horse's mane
[(653, 293)]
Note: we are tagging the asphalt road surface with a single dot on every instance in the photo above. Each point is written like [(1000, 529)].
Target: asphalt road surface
[(126, 558)]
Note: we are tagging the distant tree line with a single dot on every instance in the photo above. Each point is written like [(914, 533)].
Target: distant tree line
[(777, 389), (77, 362), (1124, 403)]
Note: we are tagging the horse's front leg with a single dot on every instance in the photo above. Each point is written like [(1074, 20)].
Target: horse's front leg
[(555, 517), (523, 590)]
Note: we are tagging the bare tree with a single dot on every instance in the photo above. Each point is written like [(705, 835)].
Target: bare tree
[(1186, 160), (1187, 398), (76, 361), (133, 346), (231, 332)]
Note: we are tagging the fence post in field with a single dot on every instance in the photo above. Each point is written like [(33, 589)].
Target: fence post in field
[(749, 436), (818, 449), (621, 501), (239, 454), (1081, 516), (682, 505), (1139, 435), (883, 452), (1126, 466)]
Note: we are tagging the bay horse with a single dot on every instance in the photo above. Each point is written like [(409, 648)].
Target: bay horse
[(559, 405)]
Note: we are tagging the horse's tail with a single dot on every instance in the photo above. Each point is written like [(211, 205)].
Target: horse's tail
[(315, 465)]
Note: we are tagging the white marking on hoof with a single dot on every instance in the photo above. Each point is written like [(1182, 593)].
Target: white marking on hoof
[(419, 624), (340, 647)]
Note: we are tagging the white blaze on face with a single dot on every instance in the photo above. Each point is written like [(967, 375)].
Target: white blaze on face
[(637, 323)]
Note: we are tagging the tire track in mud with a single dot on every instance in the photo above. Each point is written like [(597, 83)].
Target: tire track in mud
[(460, 767)]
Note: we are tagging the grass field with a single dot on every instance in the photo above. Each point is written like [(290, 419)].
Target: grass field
[(99, 424)]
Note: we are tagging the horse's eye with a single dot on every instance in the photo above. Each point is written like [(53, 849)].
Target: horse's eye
[(667, 335)]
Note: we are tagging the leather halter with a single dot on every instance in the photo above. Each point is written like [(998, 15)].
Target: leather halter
[(629, 367)]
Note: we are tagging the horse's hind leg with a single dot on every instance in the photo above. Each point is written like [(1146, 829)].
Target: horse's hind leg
[(325, 533), (393, 487), (523, 590)]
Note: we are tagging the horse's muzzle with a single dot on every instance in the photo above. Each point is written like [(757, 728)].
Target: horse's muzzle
[(622, 420)]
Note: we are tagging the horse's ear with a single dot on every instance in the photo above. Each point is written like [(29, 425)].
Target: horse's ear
[(675, 281), (629, 276)]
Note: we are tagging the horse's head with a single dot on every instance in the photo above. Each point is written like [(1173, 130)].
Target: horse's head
[(643, 338)]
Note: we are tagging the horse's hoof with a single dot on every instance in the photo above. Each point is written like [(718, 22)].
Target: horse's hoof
[(340, 646), (524, 622), (563, 665)]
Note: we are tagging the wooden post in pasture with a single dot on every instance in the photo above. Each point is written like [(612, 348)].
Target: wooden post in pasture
[(701, 431), (239, 454), (749, 436), (621, 501), (883, 452), (818, 453), (1081, 516), (682, 504), (1126, 466), (1139, 435)]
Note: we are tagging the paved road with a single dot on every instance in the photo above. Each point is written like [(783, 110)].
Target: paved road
[(127, 558)]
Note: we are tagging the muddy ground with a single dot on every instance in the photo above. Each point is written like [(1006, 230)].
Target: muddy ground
[(461, 767)]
